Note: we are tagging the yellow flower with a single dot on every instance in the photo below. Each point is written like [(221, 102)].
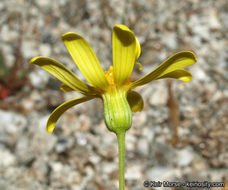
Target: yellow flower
[(113, 86)]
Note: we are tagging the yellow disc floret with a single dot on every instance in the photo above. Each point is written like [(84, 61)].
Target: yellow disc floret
[(109, 74)]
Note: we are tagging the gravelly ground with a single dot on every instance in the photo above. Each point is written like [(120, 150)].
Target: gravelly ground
[(82, 154)]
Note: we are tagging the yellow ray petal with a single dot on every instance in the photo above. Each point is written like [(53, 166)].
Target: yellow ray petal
[(178, 60), (138, 48), (135, 101), (139, 65), (85, 58), (179, 74), (124, 53), (65, 88), (63, 74), (61, 109)]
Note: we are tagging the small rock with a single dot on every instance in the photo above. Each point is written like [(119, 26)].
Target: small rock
[(6, 159), (213, 20), (170, 41), (199, 27), (143, 146), (159, 96), (23, 152), (39, 78), (45, 50), (160, 173), (63, 143), (94, 159), (139, 119), (81, 139), (130, 142), (108, 167), (184, 157), (41, 170), (12, 126), (43, 3), (57, 167), (42, 142), (200, 74), (11, 122), (133, 172), (29, 49), (148, 133)]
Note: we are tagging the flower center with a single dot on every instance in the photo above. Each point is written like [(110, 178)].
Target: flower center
[(109, 74)]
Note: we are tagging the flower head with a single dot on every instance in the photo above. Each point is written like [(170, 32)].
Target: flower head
[(114, 86)]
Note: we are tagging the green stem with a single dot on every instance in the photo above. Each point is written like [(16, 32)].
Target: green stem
[(121, 144)]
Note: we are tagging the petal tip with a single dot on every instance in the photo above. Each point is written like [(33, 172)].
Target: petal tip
[(50, 129), (70, 36), (187, 76), (121, 27), (33, 60), (195, 57), (192, 54), (185, 79), (124, 33)]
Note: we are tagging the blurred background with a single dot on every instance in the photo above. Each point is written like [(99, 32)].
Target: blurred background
[(182, 132)]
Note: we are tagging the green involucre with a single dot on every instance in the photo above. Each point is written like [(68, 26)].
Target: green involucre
[(117, 112)]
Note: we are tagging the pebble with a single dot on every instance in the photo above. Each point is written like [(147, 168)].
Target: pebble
[(143, 147), (42, 141), (23, 151), (95, 159), (45, 50), (29, 48), (109, 167), (12, 126), (159, 96), (149, 134), (130, 142), (184, 157), (81, 140), (133, 172), (12, 123), (159, 173), (213, 20), (139, 119), (170, 41), (7, 159), (39, 78), (63, 144), (43, 3)]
